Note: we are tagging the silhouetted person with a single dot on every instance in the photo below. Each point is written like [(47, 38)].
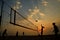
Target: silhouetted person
[(4, 33), (56, 30), (42, 27), (17, 34), (23, 33)]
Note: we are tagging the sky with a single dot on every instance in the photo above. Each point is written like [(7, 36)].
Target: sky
[(39, 12)]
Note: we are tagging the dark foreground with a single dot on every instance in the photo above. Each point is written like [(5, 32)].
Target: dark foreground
[(45, 37)]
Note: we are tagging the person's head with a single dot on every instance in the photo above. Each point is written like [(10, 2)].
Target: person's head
[(53, 23)]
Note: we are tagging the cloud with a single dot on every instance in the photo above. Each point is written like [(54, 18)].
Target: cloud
[(17, 5), (29, 10), (42, 14), (35, 13), (18, 2), (44, 3), (35, 10)]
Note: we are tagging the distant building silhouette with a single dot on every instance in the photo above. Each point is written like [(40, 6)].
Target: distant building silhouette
[(4, 33), (42, 27), (56, 30)]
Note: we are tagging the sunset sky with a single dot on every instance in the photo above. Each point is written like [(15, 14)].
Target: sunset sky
[(39, 12)]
